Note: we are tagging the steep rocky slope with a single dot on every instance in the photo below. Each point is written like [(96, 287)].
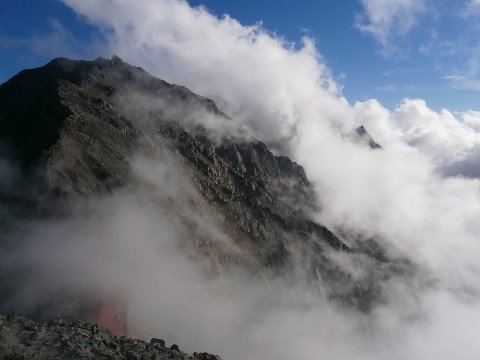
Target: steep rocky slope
[(74, 129)]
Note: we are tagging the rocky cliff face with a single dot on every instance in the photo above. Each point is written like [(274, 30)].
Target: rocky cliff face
[(74, 127)]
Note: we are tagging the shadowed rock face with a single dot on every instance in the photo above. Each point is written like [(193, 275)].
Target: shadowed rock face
[(77, 125)]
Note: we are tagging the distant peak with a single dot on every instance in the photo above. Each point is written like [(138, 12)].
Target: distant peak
[(361, 131), (59, 60), (116, 59), (362, 134)]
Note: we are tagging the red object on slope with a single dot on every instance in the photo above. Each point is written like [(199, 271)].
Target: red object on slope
[(112, 316)]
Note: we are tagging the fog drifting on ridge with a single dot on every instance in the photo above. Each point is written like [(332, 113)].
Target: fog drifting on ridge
[(420, 195)]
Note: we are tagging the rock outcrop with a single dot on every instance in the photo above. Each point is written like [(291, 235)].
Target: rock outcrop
[(362, 135), (21, 338)]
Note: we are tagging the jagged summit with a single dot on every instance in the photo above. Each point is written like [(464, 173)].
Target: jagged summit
[(363, 135), (32, 109)]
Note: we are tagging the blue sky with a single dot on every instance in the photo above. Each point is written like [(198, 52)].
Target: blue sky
[(417, 49)]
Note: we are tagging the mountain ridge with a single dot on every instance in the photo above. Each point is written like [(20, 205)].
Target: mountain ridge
[(81, 124)]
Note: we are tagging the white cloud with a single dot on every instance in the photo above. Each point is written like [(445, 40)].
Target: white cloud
[(437, 134), (388, 20), (472, 119), (462, 82)]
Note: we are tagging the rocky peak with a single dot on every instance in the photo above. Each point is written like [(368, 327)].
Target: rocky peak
[(362, 135)]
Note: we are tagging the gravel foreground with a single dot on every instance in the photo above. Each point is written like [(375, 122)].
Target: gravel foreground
[(21, 338)]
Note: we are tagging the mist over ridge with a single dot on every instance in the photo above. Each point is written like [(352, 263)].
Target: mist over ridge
[(264, 223)]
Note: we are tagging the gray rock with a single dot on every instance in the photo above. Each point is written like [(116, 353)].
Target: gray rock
[(61, 341), (157, 342)]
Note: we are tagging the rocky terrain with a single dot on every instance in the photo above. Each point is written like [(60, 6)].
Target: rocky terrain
[(21, 338), (72, 129)]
